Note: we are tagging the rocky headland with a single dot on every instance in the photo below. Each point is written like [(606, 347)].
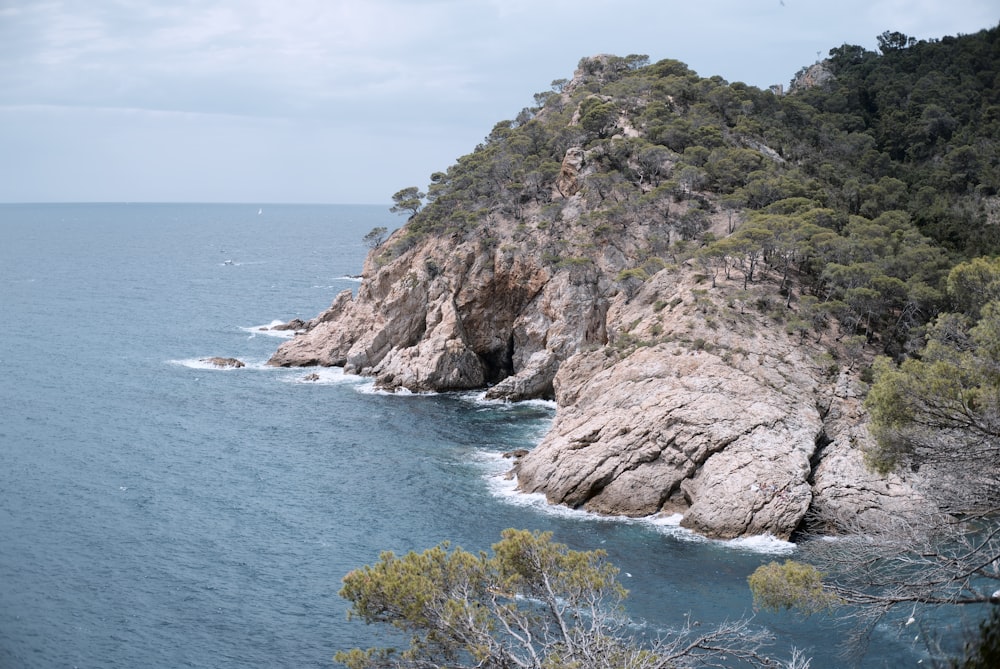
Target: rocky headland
[(678, 398), (680, 386)]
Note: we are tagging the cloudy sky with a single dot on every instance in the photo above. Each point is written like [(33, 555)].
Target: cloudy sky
[(347, 101)]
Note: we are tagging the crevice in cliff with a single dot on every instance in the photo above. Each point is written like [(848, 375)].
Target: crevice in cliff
[(822, 441), (810, 520)]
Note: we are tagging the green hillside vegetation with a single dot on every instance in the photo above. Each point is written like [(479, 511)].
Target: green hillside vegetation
[(866, 188)]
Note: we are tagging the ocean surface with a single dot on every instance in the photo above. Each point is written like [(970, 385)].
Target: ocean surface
[(157, 512)]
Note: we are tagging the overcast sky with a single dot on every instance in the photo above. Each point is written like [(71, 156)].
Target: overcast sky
[(347, 101)]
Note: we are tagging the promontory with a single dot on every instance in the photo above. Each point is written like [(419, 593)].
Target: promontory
[(700, 274)]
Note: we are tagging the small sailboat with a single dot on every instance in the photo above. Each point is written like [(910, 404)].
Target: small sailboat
[(260, 211)]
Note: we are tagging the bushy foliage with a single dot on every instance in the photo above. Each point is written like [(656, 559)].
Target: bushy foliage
[(533, 604), (943, 408), (792, 585)]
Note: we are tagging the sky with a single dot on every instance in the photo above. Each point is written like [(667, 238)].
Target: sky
[(348, 101)]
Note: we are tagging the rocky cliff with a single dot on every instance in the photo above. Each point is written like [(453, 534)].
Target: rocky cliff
[(673, 396), (680, 390)]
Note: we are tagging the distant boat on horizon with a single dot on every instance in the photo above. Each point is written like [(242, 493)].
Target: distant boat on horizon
[(260, 211)]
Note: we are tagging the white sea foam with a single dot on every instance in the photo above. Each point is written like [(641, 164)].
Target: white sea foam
[(480, 398), (505, 489), (764, 543), (323, 376), (266, 330), (201, 363), (370, 388), (548, 404)]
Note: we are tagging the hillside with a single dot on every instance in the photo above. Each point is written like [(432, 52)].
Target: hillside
[(699, 272)]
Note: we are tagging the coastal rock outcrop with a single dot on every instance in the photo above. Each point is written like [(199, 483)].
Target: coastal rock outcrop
[(672, 398), (739, 429), (447, 316), (680, 389)]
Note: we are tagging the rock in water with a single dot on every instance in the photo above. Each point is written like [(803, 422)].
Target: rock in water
[(225, 363)]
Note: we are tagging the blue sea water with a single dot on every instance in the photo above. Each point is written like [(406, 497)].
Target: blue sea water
[(157, 512)]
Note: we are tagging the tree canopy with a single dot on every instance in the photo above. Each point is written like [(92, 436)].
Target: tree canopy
[(532, 604), (408, 201)]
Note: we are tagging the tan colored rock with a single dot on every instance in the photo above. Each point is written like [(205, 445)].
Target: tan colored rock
[(677, 431), (324, 342), (674, 394), (441, 360), (445, 316), (568, 182), (845, 492), (721, 425)]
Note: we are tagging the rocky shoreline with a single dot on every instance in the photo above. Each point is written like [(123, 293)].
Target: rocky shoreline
[(679, 389), (672, 397)]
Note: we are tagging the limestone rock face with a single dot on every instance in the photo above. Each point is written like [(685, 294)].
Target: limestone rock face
[(817, 74), (667, 431), (845, 493), (569, 174), (446, 316), (327, 338), (743, 433)]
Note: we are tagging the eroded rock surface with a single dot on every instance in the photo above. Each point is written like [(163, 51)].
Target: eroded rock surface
[(446, 316), (736, 424), (677, 392), (672, 397)]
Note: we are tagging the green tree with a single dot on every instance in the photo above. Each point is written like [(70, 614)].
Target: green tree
[(749, 245), (943, 409), (892, 40), (973, 284), (904, 567), (407, 201), (791, 585), (598, 117), (376, 236), (532, 604)]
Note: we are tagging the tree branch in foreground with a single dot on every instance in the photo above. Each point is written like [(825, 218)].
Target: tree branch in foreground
[(532, 604)]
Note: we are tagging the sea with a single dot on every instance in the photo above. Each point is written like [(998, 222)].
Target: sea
[(156, 511)]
